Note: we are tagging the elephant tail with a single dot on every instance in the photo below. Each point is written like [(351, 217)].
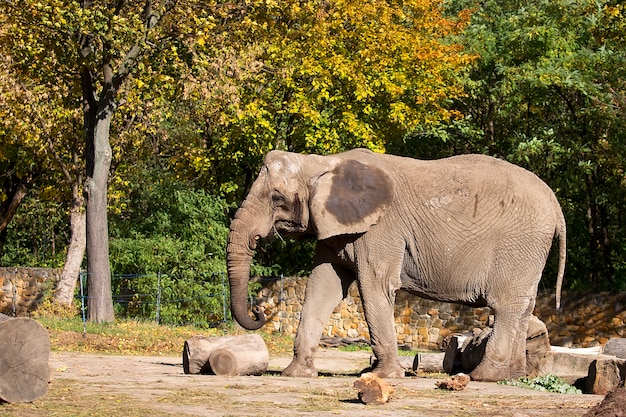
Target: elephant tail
[(562, 235)]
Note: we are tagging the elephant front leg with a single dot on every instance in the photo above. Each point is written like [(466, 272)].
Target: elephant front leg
[(325, 289)]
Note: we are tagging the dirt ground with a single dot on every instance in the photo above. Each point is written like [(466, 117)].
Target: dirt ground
[(94, 385)]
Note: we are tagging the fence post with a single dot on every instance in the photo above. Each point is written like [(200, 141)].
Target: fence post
[(82, 302), (158, 303), (223, 295), (14, 292), (283, 302)]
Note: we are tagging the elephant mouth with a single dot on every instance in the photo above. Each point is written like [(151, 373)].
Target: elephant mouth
[(289, 227)]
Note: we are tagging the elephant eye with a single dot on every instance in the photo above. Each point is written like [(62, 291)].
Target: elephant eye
[(278, 200)]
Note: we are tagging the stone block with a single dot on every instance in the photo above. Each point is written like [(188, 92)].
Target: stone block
[(615, 347), (605, 375)]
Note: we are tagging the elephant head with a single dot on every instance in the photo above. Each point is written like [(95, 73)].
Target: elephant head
[(325, 196)]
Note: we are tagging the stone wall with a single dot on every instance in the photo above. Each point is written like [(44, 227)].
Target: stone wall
[(22, 289), (586, 319)]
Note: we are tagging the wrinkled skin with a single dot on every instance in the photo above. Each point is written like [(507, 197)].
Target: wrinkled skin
[(468, 229)]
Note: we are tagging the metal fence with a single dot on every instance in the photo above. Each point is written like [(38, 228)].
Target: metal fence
[(152, 303)]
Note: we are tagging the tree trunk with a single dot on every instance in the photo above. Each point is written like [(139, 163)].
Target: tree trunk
[(98, 110), (97, 120), (15, 190), (228, 355), (64, 293), (100, 301), (24, 355)]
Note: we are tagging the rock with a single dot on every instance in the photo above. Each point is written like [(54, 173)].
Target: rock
[(373, 390), (457, 383), (616, 347), (569, 364), (605, 375)]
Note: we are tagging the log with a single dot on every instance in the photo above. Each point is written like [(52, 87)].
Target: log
[(422, 362), (428, 362), (24, 356), (227, 355)]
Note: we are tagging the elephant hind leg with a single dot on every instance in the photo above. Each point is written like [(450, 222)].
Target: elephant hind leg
[(505, 353)]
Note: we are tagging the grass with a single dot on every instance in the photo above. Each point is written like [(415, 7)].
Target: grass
[(138, 337), (133, 337)]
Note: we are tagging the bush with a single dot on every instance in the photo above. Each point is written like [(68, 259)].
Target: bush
[(168, 245)]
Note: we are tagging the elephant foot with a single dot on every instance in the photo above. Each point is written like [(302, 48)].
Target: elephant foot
[(299, 369), (490, 371), (389, 371)]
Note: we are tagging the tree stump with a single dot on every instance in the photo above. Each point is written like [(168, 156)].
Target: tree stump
[(452, 359), (471, 349), (228, 355), (24, 356)]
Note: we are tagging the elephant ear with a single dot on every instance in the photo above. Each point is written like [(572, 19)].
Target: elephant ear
[(349, 199)]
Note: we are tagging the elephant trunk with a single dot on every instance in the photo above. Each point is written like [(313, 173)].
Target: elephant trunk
[(241, 244)]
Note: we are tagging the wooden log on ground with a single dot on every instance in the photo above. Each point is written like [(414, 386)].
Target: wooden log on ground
[(428, 362), (229, 355), (422, 362), (24, 356)]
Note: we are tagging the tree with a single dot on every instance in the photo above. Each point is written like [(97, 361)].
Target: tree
[(92, 48), (548, 93), (315, 77)]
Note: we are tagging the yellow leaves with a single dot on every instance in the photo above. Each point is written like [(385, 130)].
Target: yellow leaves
[(358, 54), (614, 11)]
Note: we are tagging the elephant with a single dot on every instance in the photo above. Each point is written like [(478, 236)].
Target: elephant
[(468, 229)]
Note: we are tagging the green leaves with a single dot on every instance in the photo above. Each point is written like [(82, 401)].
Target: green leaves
[(547, 93), (546, 383)]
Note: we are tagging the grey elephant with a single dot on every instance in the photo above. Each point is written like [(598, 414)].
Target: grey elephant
[(469, 229)]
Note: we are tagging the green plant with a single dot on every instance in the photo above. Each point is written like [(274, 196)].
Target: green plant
[(548, 383)]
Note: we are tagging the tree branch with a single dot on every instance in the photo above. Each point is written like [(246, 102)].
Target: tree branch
[(151, 18)]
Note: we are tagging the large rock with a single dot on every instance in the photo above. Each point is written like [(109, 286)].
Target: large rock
[(605, 375), (569, 364), (615, 347)]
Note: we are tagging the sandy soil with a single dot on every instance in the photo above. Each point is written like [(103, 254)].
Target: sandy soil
[(159, 385)]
